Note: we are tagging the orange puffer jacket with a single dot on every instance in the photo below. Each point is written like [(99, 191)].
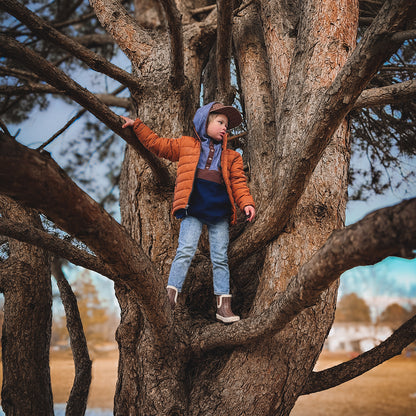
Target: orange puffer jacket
[(186, 151)]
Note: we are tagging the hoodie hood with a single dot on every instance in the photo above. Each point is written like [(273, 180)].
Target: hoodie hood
[(200, 120)]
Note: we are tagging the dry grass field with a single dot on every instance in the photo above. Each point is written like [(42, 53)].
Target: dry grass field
[(388, 390)]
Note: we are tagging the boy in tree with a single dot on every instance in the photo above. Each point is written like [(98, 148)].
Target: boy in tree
[(210, 181)]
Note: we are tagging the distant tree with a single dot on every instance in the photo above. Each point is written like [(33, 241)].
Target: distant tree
[(394, 316), (352, 308), (59, 331), (93, 313)]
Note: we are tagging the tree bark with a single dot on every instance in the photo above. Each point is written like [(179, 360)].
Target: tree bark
[(27, 323)]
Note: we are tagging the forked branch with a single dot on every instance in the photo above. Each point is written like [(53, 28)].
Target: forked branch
[(223, 50), (36, 180), (341, 373), (57, 78), (376, 46), (133, 40), (392, 94), (35, 236), (387, 232), (174, 19), (45, 31)]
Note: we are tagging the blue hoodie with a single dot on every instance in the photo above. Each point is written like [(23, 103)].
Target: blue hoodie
[(209, 201)]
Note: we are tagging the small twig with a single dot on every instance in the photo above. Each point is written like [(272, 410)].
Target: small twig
[(411, 68), (237, 136), (60, 131), (205, 9), (72, 121)]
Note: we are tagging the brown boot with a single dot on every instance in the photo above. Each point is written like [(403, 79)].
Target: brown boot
[(172, 295), (224, 312)]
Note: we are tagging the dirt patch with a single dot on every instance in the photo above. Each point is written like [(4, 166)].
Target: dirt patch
[(104, 378), (387, 390)]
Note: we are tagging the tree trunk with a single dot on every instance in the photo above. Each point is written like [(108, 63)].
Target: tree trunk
[(265, 378), (27, 324)]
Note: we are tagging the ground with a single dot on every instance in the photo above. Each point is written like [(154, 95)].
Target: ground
[(388, 390)]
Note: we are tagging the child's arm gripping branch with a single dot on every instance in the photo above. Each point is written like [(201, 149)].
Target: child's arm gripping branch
[(250, 212), (162, 147)]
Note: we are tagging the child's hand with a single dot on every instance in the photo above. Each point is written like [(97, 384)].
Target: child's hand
[(250, 212), (128, 122)]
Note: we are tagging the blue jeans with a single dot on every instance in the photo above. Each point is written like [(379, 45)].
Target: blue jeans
[(189, 234)]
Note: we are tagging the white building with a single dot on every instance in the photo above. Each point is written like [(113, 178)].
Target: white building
[(356, 337)]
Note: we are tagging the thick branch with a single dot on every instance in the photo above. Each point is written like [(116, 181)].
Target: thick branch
[(27, 234), (31, 88), (18, 73), (7, 271), (392, 94), (174, 19), (113, 101), (95, 40), (37, 181), (47, 32), (374, 49), (341, 373), (223, 50), (134, 41), (54, 76), (387, 232), (77, 401), (405, 35)]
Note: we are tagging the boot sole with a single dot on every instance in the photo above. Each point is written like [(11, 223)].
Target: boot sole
[(227, 320)]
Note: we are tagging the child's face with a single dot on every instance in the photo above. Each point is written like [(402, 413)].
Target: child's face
[(217, 127)]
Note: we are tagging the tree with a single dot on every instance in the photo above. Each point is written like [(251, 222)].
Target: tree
[(352, 308), (300, 73), (25, 282), (394, 315)]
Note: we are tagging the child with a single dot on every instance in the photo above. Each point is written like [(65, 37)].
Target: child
[(210, 180)]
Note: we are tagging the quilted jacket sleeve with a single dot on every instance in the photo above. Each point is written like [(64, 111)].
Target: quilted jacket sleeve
[(162, 147), (239, 187)]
